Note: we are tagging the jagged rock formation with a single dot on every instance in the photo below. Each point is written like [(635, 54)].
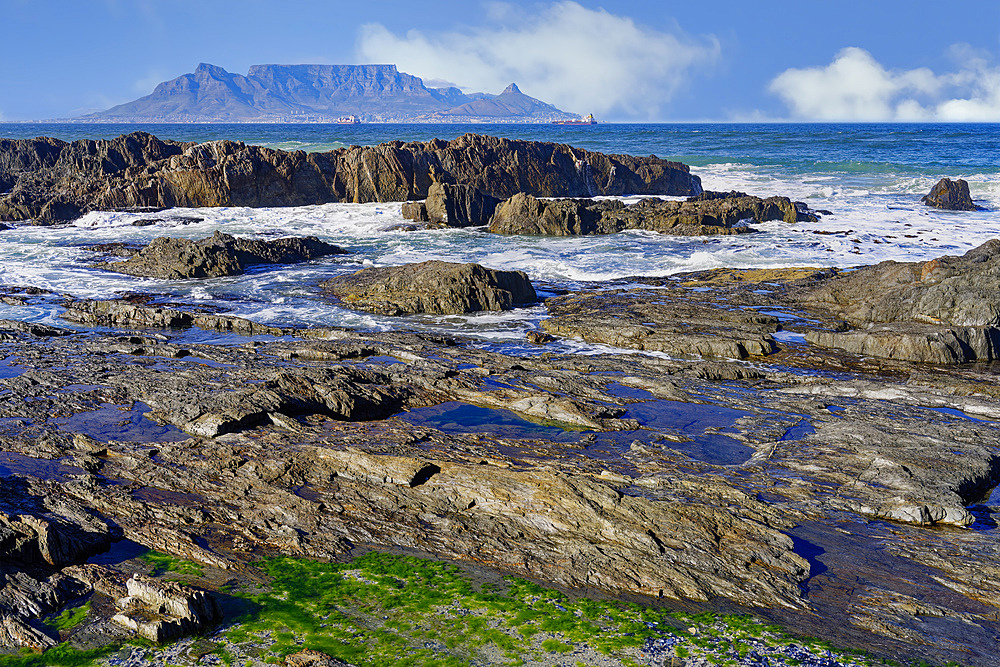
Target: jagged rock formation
[(946, 310), (950, 195), (39, 534), (443, 288), (216, 256), (452, 206), (298, 93), (46, 180), (163, 610), (706, 214)]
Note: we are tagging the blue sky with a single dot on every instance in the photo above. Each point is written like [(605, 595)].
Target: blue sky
[(624, 60)]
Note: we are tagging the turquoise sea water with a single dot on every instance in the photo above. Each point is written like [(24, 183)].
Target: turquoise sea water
[(869, 176)]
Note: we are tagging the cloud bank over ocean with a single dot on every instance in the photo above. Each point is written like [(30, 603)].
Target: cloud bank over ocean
[(856, 87), (579, 59)]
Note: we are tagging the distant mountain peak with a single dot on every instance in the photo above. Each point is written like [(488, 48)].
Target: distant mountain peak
[(321, 93), (209, 68)]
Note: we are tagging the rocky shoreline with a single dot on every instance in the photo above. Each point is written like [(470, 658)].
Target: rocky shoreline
[(815, 446), (48, 181)]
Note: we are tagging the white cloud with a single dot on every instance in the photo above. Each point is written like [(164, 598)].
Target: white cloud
[(856, 87), (153, 78), (581, 60)]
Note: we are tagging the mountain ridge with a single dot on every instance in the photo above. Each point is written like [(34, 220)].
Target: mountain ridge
[(321, 93)]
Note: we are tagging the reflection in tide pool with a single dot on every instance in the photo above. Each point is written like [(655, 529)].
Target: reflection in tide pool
[(115, 422)]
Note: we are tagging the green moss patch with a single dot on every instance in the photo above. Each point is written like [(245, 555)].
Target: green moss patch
[(69, 618), (162, 563)]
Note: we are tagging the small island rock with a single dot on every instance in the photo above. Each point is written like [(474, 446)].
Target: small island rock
[(950, 195)]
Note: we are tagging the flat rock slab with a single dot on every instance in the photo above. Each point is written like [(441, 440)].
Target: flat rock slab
[(442, 288), (656, 321), (216, 256)]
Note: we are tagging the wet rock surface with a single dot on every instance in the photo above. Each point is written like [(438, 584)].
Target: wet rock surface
[(452, 206), (946, 310), (46, 180), (216, 256), (950, 195), (707, 214), (637, 319), (444, 288), (857, 508)]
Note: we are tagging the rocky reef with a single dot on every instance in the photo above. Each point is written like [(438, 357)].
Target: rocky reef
[(708, 214), (818, 447), (803, 486), (47, 180)]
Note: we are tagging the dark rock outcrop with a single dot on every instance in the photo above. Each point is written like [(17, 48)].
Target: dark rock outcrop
[(217, 255), (950, 195), (444, 288), (458, 205), (946, 310), (46, 180), (450, 205), (714, 214)]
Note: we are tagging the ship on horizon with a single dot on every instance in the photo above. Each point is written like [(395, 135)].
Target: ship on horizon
[(348, 120), (587, 120)]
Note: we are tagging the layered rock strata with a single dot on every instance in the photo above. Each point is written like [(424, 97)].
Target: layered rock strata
[(303, 467), (946, 310), (47, 180), (317, 442), (443, 288), (164, 610), (642, 319)]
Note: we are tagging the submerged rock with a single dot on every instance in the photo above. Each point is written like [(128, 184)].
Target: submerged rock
[(216, 256), (706, 214), (443, 288), (950, 195), (47, 180)]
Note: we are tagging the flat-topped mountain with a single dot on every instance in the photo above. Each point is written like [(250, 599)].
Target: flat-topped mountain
[(321, 93)]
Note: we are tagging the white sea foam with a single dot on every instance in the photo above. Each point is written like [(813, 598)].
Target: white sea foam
[(873, 217)]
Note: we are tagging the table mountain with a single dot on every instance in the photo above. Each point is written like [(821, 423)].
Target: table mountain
[(320, 93)]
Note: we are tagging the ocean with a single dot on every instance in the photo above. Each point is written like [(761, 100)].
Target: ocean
[(870, 177)]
